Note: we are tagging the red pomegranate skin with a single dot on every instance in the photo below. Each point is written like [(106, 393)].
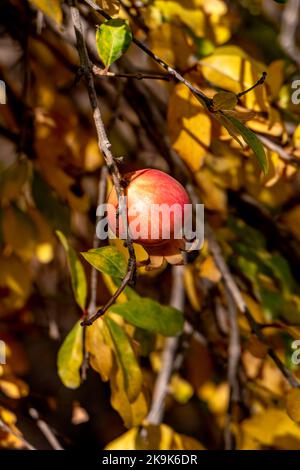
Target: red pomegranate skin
[(147, 187)]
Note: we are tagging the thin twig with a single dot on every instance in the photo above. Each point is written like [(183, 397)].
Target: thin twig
[(160, 391), (104, 146), (45, 429), (7, 429), (259, 82), (102, 73), (234, 353)]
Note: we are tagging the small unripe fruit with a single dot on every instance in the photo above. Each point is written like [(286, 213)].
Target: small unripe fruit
[(146, 188)]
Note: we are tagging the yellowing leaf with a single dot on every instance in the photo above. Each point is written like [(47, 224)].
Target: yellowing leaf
[(113, 38), (132, 414), (77, 272), (209, 270), (293, 404), (108, 260), (127, 360), (181, 389), (70, 357), (51, 8), (101, 355), (13, 388)]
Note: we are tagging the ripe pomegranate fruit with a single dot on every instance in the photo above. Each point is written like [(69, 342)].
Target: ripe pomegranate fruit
[(154, 231)]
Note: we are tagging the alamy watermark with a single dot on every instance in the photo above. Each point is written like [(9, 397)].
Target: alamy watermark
[(152, 222), (2, 92)]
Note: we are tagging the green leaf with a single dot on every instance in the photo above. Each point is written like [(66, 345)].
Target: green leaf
[(152, 316), (113, 38), (78, 278), (108, 260), (70, 358), (126, 357), (251, 139)]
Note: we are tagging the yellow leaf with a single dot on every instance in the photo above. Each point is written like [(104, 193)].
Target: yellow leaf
[(273, 427), (230, 68), (172, 44), (189, 126), (291, 220), (51, 8), (13, 388), (293, 404)]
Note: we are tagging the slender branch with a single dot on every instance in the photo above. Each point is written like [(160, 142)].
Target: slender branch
[(281, 152), (234, 354), (103, 141), (208, 102), (156, 412), (7, 429), (45, 429), (102, 73)]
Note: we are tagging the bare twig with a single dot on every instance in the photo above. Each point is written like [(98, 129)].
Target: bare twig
[(102, 73), (160, 391), (105, 148), (7, 429), (289, 24), (45, 429), (234, 353)]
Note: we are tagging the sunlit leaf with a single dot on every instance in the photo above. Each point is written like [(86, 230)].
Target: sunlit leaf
[(113, 38), (78, 278), (108, 260), (101, 355), (152, 316), (70, 358), (224, 100)]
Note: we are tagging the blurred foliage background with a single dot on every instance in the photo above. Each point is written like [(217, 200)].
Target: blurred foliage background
[(50, 168)]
